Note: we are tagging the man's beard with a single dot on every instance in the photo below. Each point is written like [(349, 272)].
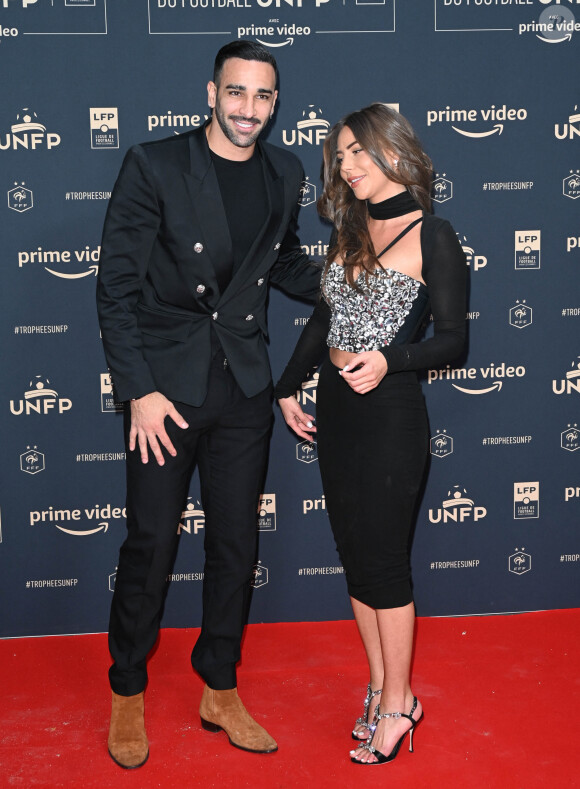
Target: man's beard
[(230, 133)]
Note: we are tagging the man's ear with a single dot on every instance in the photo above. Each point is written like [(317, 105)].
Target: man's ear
[(211, 93)]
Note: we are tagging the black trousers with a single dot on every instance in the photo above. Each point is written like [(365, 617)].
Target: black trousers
[(372, 451), (228, 438)]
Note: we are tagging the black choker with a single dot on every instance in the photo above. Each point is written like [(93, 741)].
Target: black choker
[(402, 203)]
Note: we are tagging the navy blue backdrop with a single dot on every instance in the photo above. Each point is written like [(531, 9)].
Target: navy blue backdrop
[(491, 88)]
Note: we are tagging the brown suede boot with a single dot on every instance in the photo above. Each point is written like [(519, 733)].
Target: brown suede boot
[(128, 744), (223, 709)]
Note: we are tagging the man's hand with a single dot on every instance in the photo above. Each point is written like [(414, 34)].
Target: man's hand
[(302, 424), (148, 425), (368, 370)]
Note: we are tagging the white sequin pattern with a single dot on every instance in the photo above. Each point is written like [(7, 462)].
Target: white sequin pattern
[(367, 318)]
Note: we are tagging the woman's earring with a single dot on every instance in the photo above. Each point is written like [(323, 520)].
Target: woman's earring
[(395, 163)]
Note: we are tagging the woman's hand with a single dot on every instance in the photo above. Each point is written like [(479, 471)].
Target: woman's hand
[(302, 424), (365, 371)]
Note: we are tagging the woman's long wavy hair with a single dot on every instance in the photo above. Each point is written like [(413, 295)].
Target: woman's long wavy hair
[(378, 129)]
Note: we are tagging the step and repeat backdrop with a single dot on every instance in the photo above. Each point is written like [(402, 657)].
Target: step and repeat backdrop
[(491, 86)]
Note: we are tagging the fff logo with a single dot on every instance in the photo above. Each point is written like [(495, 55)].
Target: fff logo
[(519, 562), (306, 452), (259, 576), (441, 444)]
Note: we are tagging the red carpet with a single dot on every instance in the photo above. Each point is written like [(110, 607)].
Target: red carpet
[(500, 697)]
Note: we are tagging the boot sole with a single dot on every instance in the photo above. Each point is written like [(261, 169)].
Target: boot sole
[(213, 728), (128, 766)]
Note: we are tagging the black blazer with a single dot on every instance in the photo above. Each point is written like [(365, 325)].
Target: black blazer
[(157, 293)]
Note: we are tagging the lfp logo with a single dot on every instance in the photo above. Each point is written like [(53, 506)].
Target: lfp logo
[(104, 127), (526, 500), (267, 512), (527, 249)]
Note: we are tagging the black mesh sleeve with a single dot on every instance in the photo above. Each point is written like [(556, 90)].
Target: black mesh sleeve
[(445, 274), (309, 350)]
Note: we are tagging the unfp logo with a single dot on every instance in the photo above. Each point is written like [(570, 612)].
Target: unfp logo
[(527, 249), (457, 508), (307, 392), (474, 261), (104, 127), (572, 381), (40, 399), (567, 131), (28, 133), (526, 500), (311, 130), (441, 444), (192, 518)]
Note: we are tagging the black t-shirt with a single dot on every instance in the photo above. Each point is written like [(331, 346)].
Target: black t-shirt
[(243, 194)]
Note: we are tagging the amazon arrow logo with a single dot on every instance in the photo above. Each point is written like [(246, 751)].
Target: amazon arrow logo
[(497, 128), (92, 270), (82, 533), (496, 387)]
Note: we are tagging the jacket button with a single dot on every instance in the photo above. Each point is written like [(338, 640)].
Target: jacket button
[(197, 247), (214, 316), (261, 281), (278, 245), (249, 317), (200, 288)]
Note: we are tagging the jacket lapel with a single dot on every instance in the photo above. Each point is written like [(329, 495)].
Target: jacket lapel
[(209, 218)]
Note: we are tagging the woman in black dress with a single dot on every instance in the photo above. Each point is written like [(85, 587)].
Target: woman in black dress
[(390, 264)]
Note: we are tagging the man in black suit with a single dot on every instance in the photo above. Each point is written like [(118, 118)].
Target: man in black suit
[(197, 227)]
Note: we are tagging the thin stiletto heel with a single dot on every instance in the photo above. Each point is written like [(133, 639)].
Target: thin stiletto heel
[(380, 757)]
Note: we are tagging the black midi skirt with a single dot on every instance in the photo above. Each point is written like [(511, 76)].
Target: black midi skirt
[(372, 450)]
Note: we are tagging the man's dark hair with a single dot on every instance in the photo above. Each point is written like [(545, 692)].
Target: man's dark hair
[(245, 50)]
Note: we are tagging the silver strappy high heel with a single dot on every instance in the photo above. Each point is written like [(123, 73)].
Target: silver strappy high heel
[(381, 758), (364, 720)]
